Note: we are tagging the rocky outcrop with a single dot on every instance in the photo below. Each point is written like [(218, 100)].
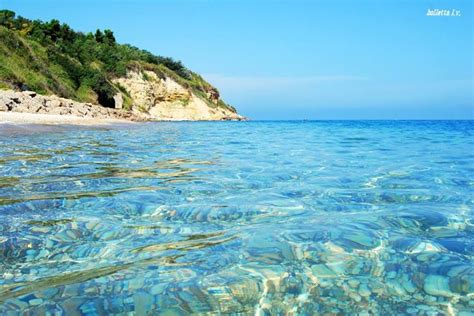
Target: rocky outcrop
[(166, 99), (31, 102)]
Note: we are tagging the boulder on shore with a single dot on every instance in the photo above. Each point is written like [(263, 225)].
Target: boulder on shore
[(31, 102)]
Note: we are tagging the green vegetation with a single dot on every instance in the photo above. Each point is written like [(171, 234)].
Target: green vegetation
[(51, 58)]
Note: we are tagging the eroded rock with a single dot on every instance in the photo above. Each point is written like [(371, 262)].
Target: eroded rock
[(53, 103), (165, 99), (31, 102)]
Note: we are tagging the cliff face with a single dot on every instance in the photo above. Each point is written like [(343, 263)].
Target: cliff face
[(165, 99)]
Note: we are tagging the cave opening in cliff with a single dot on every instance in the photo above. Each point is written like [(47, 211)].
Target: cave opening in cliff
[(105, 100)]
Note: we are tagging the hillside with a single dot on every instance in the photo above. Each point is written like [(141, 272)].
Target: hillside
[(52, 59)]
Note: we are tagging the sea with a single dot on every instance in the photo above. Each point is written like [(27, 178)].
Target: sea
[(238, 218)]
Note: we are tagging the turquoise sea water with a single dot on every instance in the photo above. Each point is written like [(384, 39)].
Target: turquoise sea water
[(272, 218)]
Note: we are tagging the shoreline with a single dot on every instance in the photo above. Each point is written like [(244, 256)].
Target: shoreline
[(29, 107), (56, 119), (21, 118)]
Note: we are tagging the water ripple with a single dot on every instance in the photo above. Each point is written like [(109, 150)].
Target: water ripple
[(238, 218)]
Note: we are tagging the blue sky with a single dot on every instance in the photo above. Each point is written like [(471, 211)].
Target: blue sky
[(281, 59)]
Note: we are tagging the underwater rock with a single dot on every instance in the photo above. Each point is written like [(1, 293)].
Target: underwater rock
[(395, 288), (269, 252), (461, 279), (143, 303), (419, 220), (408, 284), (353, 283), (437, 285), (246, 290), (157, 289), (322, 271), (364, 291), (422, 247)]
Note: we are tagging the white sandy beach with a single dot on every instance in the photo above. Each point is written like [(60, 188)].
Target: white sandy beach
[(31, 118)]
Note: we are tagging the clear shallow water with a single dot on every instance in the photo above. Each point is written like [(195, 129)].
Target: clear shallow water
[(238, 217)]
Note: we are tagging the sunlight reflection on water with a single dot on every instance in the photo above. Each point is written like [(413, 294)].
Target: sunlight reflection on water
[(238, 217)]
